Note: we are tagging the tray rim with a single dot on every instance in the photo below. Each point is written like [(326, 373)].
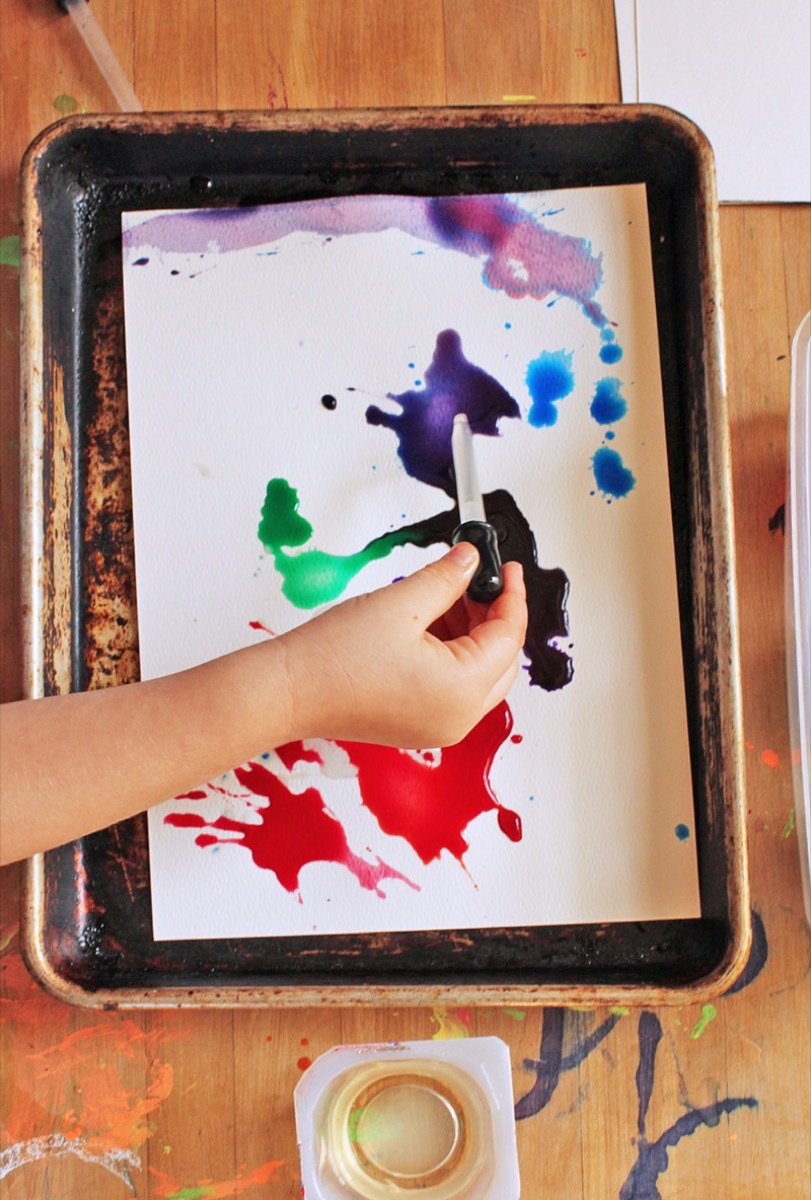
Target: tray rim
[(717, 449)]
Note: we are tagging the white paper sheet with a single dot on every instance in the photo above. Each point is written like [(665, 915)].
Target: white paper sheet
[(742, 72), (239, 329)]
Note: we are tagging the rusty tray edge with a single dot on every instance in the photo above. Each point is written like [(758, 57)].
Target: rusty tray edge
[(39, 520)]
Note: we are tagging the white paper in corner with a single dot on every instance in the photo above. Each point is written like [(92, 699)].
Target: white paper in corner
[(299, 365), (742, 72), (625, 16)]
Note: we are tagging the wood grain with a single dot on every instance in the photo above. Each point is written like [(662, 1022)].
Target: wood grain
[(200, 1103)]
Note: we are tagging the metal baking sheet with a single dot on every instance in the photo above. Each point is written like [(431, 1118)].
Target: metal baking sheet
[(87, 918)]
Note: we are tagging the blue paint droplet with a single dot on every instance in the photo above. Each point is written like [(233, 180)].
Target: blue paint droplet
[(417, 383), (682, 833), (611, 353), (508, 325), (612, 476), (609, 404), (609, 435), (549, 379), (607, 335)]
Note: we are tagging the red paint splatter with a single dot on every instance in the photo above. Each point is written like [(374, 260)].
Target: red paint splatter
[(295, 829), (517, 738), (273, 91), (430, 805), (195, 795), (429, 801), (770, 758), (261, 628), (304, 1062), (294, 752), (509, 823)]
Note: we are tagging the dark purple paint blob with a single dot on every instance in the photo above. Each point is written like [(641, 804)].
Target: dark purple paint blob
[(608, 405), (423, 428), (758, 956), (547, 1068), (549, 378), (610, 473), (652, 1157), (650, 1034), (552, 1062)]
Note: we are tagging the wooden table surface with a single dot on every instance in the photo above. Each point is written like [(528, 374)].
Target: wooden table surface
[(676, 1103)]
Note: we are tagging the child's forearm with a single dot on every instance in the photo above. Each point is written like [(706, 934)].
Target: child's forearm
[(410, 665), (84, 761)]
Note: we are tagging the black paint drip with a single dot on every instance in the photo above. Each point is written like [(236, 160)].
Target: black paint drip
[(547, 588)]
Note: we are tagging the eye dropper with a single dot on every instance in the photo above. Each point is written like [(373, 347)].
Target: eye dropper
[(102, 53), (487, 584)]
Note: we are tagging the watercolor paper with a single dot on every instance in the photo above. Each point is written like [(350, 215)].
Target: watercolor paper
[(742, 72), (293, 374)]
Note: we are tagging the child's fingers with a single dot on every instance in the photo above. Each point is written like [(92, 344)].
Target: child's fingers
[(502, 686), (511, 606), (429, 593)]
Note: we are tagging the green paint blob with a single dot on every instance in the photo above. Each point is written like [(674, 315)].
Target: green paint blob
[(708, 1013), (193, 1193), (10, 251), (517, 1014), (281, 524), (788, 828), (65, 104), (313, 577), (371, 1127)]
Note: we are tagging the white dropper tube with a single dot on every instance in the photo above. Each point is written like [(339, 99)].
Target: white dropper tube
[(100, 49)]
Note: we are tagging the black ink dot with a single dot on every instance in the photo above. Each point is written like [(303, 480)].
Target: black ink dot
[(140, 262), (329, 402)]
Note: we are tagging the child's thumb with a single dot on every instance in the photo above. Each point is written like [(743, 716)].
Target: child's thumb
[(435, 588)]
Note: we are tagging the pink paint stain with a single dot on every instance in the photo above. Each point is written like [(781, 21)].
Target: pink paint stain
[(519, 255), (430, 804)]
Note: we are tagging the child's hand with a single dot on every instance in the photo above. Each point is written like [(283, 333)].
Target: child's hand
[(415, 664)]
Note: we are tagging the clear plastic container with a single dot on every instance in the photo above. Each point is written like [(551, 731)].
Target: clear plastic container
[(433, 1119), (798, 594)]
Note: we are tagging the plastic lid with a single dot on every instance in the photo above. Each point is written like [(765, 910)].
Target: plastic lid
[(798, 594)]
